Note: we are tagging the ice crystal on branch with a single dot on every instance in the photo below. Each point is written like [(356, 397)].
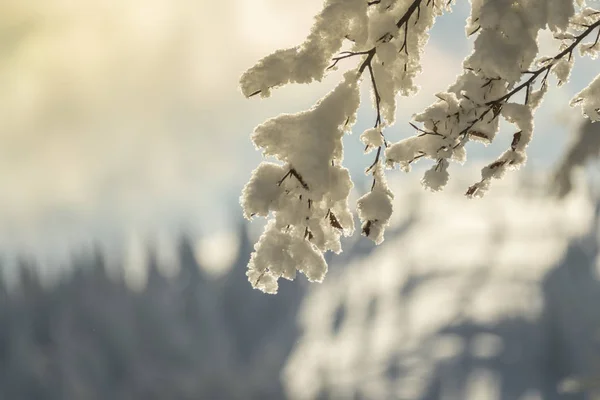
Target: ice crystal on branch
[(305, 194)]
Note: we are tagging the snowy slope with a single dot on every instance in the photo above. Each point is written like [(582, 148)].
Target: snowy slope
[(456, 306)]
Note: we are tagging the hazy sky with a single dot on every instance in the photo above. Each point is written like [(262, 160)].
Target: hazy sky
[(123, 120)]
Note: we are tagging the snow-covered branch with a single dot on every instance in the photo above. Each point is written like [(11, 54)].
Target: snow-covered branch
[(305, 194)]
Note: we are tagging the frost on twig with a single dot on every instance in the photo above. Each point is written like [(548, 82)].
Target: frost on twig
[(307, 62), (375, 208), (589, 99), (305, 192), (307, 195), (502, 67)]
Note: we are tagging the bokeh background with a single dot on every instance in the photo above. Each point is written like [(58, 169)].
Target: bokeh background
[(124, 145)]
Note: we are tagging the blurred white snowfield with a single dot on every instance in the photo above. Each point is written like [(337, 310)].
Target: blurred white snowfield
[(466, 300)]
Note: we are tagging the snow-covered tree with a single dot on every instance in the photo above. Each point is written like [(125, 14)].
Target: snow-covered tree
[(305, 192)]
